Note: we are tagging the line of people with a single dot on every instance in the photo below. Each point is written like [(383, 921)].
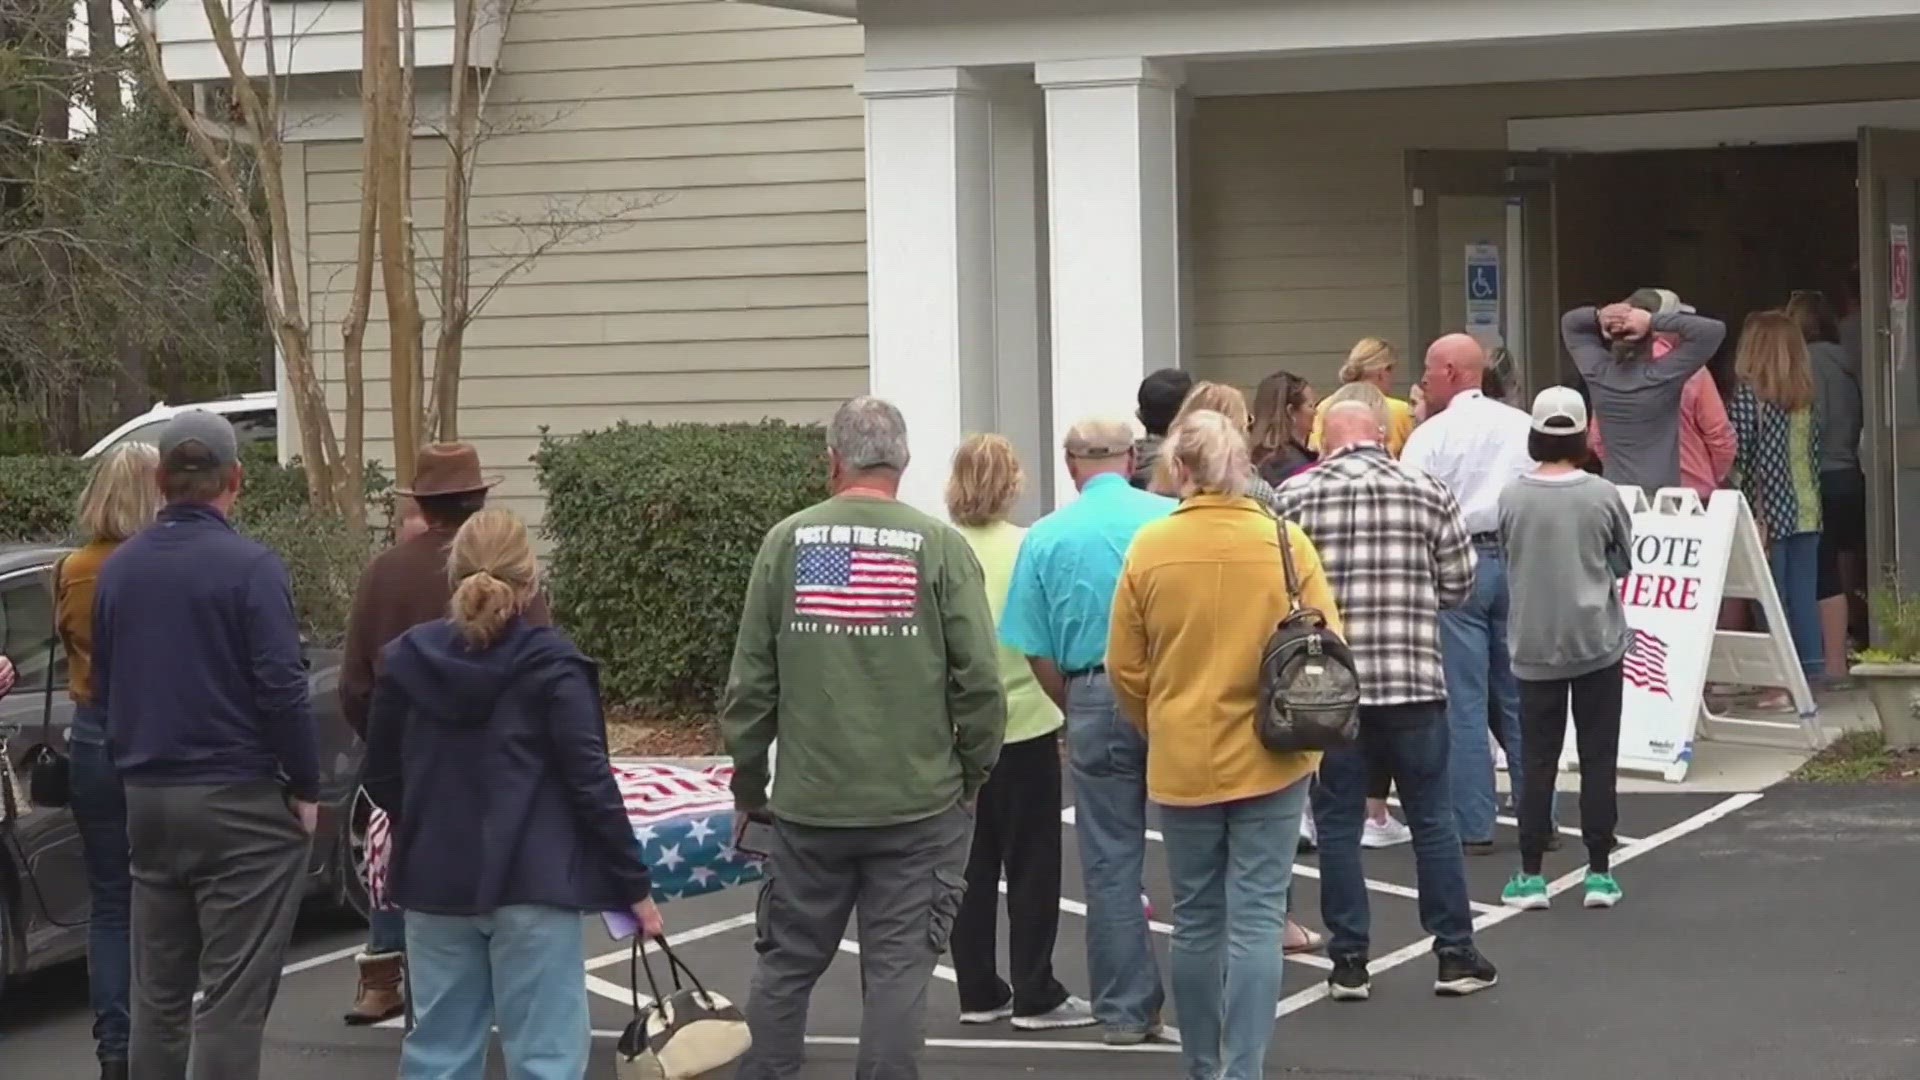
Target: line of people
[(1465, 549)]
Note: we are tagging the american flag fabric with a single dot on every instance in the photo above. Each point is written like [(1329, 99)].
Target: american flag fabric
[(1645, 665), (851, 583), (1395, 552), (682, 817)]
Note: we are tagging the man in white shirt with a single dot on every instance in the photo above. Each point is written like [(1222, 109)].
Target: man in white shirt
[(1476, 446)]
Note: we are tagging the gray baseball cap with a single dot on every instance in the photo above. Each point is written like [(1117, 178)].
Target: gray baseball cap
[(197, 427)]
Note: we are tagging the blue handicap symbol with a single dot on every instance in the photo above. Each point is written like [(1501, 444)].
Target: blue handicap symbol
[(1483, 281)]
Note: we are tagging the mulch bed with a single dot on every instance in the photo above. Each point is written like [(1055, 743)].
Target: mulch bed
[(632, 734), (1860, 757)]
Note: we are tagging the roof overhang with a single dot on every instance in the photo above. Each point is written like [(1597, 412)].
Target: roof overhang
[(845, 9)]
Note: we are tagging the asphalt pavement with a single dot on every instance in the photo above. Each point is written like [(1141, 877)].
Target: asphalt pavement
[(1762, 938)]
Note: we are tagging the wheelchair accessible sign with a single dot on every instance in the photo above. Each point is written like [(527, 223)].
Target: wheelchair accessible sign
[(1483, 293)]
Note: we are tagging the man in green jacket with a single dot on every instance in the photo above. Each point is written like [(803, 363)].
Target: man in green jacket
[(868, 650)]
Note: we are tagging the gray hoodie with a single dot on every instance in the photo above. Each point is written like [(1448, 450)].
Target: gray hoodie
[(1568, 541), (1836, 385)]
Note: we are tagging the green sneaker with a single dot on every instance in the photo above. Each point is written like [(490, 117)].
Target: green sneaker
[(1602, 891), (1528, 892)]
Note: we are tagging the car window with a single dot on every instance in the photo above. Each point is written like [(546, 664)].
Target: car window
[(148, 433), (253, 427), (26, 630)]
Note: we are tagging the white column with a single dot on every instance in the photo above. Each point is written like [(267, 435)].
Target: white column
[(1019, 291), (930, 264), (1113, 233)]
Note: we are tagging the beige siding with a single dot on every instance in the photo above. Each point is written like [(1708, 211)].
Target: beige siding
[(1298, 219), (724, 141)]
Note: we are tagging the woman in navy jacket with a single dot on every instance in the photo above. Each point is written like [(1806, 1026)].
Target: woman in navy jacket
[(487, 749)]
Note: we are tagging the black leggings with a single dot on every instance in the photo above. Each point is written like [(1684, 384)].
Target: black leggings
[(1543, 731)]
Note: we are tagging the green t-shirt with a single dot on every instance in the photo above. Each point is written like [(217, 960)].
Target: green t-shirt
[(1030, 712), (867, 650)]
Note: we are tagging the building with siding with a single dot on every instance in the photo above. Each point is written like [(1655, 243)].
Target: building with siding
[(1002, 213)]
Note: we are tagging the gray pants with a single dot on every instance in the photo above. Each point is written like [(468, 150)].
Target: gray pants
[(218, 872), (907, 882)]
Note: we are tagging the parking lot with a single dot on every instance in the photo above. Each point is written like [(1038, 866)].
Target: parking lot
[(1647, 962)]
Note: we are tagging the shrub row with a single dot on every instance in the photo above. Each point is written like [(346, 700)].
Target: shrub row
[(654, 531), (38, 496)]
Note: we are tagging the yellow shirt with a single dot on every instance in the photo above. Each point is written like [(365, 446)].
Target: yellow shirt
[(73, 614), (1030, 712), (1200, 595), (1399, 425)]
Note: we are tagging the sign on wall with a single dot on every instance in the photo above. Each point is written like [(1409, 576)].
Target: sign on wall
[(1900, 294), (1686, 559), (1483, 293)]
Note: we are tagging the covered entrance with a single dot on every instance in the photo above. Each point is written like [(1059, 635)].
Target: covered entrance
[(1502, 242)]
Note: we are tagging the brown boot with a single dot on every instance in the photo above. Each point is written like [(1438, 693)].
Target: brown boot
[(380, 996)]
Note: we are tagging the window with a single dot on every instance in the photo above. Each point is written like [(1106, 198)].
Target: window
[(256, 427), (148, 433), (26, 629)]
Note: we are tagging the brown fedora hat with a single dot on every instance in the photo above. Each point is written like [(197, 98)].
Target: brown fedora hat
[(447, 469)]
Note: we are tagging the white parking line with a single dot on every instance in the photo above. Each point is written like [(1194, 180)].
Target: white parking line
[(1564, 830), (1559, 885), (1075, 907)]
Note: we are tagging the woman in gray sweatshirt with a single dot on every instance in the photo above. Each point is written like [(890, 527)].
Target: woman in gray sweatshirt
[(1568, 541)]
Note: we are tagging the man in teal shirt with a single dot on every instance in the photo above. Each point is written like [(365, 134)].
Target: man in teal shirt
[(1056, 614)]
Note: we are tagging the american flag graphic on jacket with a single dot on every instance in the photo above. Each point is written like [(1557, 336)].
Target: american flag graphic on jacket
[(1645, 665), (854, 583)]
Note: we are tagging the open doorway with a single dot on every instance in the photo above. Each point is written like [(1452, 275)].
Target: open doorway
[(1731, 229)]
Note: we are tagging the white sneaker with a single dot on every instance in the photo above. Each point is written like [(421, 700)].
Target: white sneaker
[(1383, 834), (1309, 837), (1499, 758), (1072, 1013), (991, 1016)]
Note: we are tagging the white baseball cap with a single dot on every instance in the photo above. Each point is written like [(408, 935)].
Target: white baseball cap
[(1559, 410)]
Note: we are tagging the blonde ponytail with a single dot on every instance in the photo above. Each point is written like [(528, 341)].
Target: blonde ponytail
[(494, 575)]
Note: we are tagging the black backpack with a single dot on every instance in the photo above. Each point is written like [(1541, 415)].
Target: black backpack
[(1309, 690)]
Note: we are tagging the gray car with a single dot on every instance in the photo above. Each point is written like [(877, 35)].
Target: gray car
[(43, 878)]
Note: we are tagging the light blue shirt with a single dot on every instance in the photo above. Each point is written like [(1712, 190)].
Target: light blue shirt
[(1061, 598)]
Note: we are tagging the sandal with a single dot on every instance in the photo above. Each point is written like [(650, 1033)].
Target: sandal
[(1312, 941)]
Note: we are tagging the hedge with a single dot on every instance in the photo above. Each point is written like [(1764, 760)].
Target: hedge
[(38, 495), (654, 530)]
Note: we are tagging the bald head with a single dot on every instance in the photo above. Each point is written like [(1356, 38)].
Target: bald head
[(1456, 362), (1348, 423)]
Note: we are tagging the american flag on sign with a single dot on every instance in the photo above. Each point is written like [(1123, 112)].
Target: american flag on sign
[(848, 583), (1646, 664)]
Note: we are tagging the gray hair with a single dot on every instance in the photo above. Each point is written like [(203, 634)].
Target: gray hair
[(869, 433)]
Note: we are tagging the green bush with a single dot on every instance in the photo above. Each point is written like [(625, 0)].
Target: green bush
[(39, 493), (654, 531)]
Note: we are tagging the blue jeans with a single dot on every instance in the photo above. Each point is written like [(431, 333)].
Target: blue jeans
[(1412, 740), (1107, 757), (519, 967), (100, 811), (1231, 866), (386, 931), (1473, 648), (1796, 572)]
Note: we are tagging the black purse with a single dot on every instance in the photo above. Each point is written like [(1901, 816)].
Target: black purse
[(49, 771), (1309, 689)]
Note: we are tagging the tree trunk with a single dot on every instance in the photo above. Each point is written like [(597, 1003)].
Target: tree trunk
[(390, 129), (455, 274), (101, 48)]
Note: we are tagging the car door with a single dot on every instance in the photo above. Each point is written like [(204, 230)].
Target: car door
[(49, 842)]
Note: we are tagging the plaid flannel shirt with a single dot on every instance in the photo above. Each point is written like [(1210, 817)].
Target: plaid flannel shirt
[(1396, 552)]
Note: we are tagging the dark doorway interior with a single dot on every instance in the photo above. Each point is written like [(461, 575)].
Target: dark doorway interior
[(1732, 230)]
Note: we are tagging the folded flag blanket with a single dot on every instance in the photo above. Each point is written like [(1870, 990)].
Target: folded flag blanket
[(682, 817)]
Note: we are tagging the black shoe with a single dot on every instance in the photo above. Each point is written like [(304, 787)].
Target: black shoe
[(113, 1070), (1349, 981), (1477, 847), (1463, 972), (1554, 840)]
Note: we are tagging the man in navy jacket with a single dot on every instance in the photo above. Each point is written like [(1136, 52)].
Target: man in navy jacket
[(199, 669)]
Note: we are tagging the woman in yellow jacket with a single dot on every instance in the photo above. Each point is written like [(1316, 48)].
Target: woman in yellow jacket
[(1201, 592), (1372, 361)]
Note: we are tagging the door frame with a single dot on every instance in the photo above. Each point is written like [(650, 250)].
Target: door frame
[(1432, 174), (1887, 156)]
